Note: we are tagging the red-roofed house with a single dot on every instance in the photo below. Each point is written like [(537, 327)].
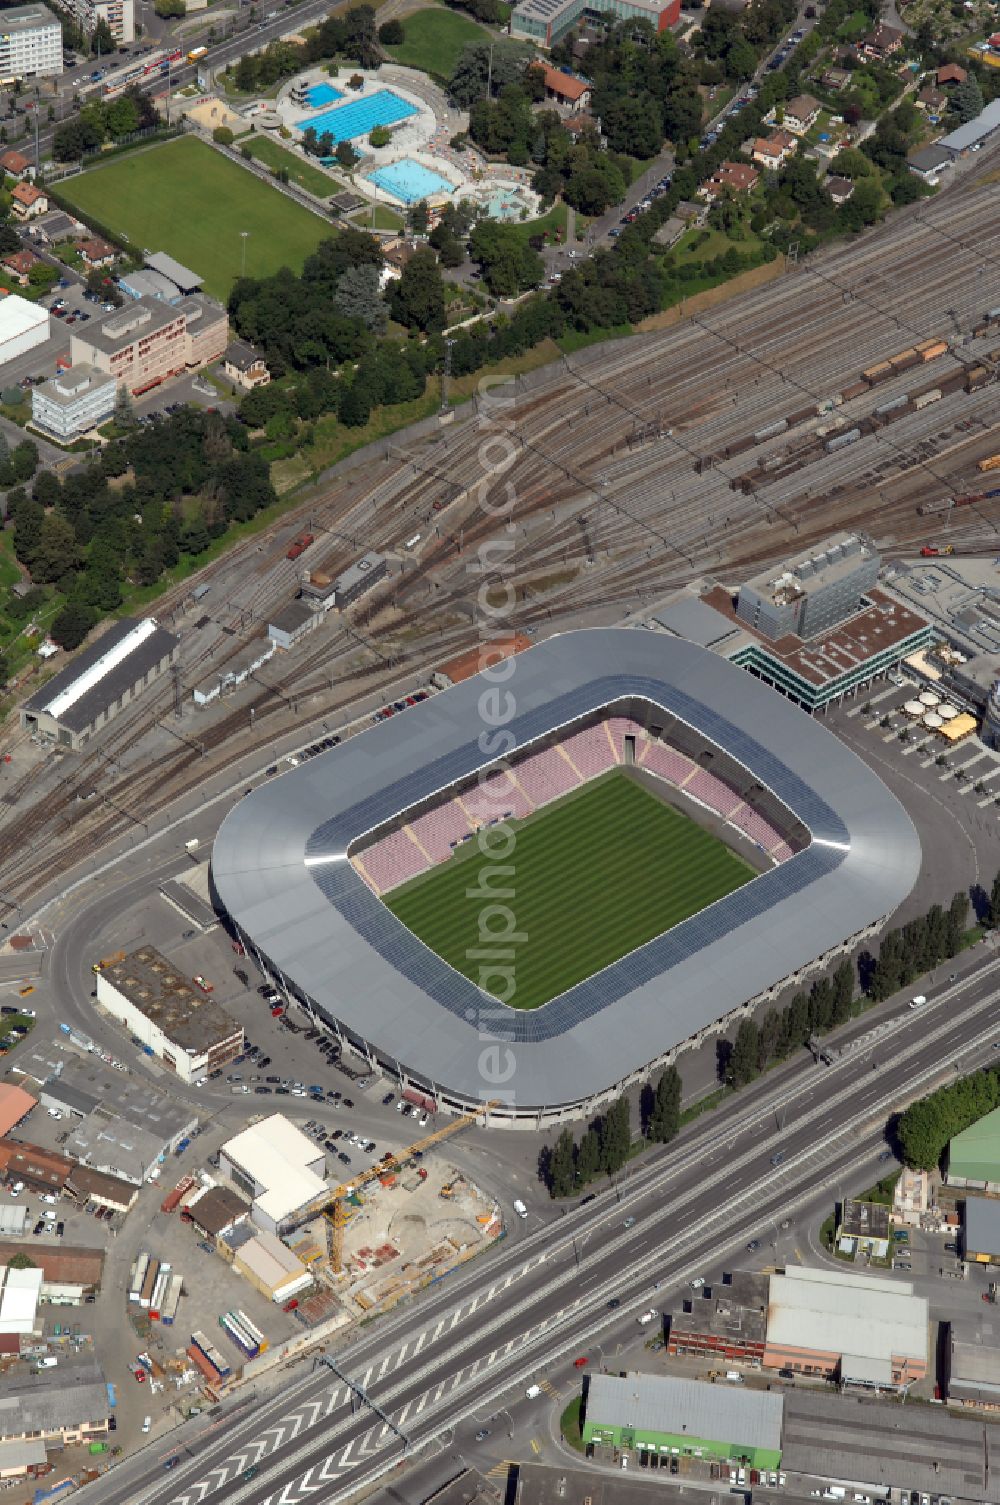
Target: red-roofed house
[(27, 201), (951, 73), (15, 1105), (565, 89), (16, 164), (773, 151), (736, 177), (96, 252)]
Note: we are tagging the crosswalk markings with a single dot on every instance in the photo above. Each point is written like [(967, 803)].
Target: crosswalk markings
[(500, 1470)]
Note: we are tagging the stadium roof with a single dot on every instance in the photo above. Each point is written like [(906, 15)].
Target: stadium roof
[(280, 869)]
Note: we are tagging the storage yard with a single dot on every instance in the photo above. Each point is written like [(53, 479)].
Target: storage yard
[(611, 514)]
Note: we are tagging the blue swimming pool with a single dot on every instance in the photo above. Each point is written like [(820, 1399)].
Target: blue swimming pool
[(410, 181), (345, 122), (322, 94)]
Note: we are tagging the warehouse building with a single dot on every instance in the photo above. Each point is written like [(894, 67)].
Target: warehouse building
[(291, 623), (265, 1263), (974, 1155), (981, 1231), (879, 1446), (23, 325), (861, 1330), (278, 1167), (30, 44), (236, 671), (215, 1210), (973, 1364), (41, 1170), (18, 1459), (97, 1189), (674, 1417), (115, 1147), (181, 1025), (181, 276), (20, 1293), (71, 1406), (101, 681), (727, 1322)]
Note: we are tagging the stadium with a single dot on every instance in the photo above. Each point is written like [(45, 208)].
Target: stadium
[(540, 884)]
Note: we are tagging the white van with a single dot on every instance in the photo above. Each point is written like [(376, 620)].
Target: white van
[(47, 1363), (147, 1422), (520, 1208), (533, 1392), (919, 1001), (733, 1377)]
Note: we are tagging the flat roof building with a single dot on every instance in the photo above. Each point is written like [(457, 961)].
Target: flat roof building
[(658, 1413), (15, 1105), (974, 1155), (278, 1168), (19, 1297), (546, 22), (185, 1029), (102, 680), (23, 325), (973, 1364), (140, 284), (862, 1330), (292, 622), (70, 1405), (140, 345), (30, 44), (119, 16), (979, 129), (726, 1322), (456, 671), (813, 592), (981, 1231), (181, 276), (270, 1267), (115, 1147), (73, 402), (354, 582)]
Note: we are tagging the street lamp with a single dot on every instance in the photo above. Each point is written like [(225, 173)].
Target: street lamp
[(243, 252)]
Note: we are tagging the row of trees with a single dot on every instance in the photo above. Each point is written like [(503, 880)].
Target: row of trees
[(352, 35), (924, 1129), (606, 1145), (919, 946), (103, 120)]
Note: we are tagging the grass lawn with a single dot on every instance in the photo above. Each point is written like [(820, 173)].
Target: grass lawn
[(706, 244), (312, 179), (377, 217), (186, 199), (598, 874), (434, 38)]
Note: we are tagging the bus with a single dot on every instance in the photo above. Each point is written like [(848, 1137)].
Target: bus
[(196, 53)]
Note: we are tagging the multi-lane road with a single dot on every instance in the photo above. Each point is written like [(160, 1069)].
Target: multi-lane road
[(520, 1314)]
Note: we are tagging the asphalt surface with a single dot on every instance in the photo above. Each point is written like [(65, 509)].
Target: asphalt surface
[(520, 1315)]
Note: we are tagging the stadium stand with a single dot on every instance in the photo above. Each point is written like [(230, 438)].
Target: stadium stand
[(782, 852), (590, 751), (665, 762), (440, 829), (500, 794), (704, 786), (546, 775), (391, 861), (755, 826)]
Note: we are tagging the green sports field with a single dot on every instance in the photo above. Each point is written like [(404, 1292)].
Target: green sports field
[(190, 201), (596, 875)]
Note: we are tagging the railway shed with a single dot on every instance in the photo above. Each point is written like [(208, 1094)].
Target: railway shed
[(100, 682)]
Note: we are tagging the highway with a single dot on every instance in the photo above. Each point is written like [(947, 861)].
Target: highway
[(520, 1314)]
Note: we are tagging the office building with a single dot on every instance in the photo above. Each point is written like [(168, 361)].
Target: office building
[(812, 593), (73, 402), (206, 329), (674, 1417), (30, 44), (725, 1322), (546, 22), (140, 345), (182, 1026)]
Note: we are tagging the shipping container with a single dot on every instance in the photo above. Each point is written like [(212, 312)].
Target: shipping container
[(236, 1334), (880, 372), (771, 430), (168, 1311), (206, 1366), (251, 1328), (173, 1197), (989, 464), (926, 398), (977, 377), (842, 441), (802, 415), (138, 1276), (149, 1281), (892, 407), (211, 1353), (856, 389), (112, 1395)]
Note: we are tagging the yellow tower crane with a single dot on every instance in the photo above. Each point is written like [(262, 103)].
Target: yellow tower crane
[(336, 1209)]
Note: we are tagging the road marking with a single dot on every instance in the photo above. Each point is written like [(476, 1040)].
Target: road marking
[(420, 1343), (536, 1447)]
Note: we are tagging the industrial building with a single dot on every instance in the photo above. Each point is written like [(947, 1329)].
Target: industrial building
[(115, 1148), (23, 325), (20, 1292), (864, 1228), (69, 1406), (96, 1187), (265, 1263), (41, 1170), (278, 1167), (973, 1157), (183, 1027), (149, 341), (354, 582), (183, 279), (981, 1231), (546, 22), (236, 671), (31, 44), (727, 1322), (73, 402), (292, 622), (657, 1413), (15, 1105), (861, 1330), (100, 681), (84, 1088), (972, 1377)]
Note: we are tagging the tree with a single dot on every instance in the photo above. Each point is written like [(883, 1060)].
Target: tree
[(102, 40), (664, 1120), (416, 299), (355, 405), (56, 551), (616, 1136), (380, 136), (562, 1165), (588, 1157), (967, 99), (345, 154), (169, 10), (475, 76), (223, 136), (418, 217), (71, 625), (391, 34), (843, 992), (956, 923), (994, 902), (359, 296), (124, 411), (743, 1062)]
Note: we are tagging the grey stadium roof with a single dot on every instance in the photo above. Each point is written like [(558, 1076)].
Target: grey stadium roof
[(280, 869)]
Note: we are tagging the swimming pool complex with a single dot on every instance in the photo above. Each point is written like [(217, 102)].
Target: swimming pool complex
[(345, 122), (322, 94), (410, 181)]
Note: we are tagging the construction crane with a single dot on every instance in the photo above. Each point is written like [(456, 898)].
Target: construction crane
[(335, 1210)]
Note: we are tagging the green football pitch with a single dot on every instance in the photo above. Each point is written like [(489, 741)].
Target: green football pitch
[(595, 875), (190, 201)]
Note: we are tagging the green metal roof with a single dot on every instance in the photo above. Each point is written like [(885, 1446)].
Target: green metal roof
[(975, 1153)]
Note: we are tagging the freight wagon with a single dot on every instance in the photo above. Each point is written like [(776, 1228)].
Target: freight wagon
[(992, 463), (148, 1284)]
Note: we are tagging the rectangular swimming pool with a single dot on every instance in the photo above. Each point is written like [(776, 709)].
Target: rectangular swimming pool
[(410, 181), (322, 94), (345, 122)]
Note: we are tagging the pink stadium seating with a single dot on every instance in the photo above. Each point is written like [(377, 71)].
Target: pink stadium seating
[(782, 852), (666, 763), (439, 829), (545, 776), (756, 827), (499, 795), (622, 727), (392, 861), (590, 751), (712, 792)]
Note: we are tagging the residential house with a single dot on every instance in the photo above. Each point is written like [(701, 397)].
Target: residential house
[(951, 73), (881, 42), (54, 227), (773, 151), (934, 101), (732, 177), (19, 263), (16, 164), (801, 114), (245, 365), (96, 253), (565, 89), (836, 79), (578, 125), (930, 161), (839, 189), (27, 201)]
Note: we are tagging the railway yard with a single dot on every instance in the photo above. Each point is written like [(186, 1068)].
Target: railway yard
[(584, 492)]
